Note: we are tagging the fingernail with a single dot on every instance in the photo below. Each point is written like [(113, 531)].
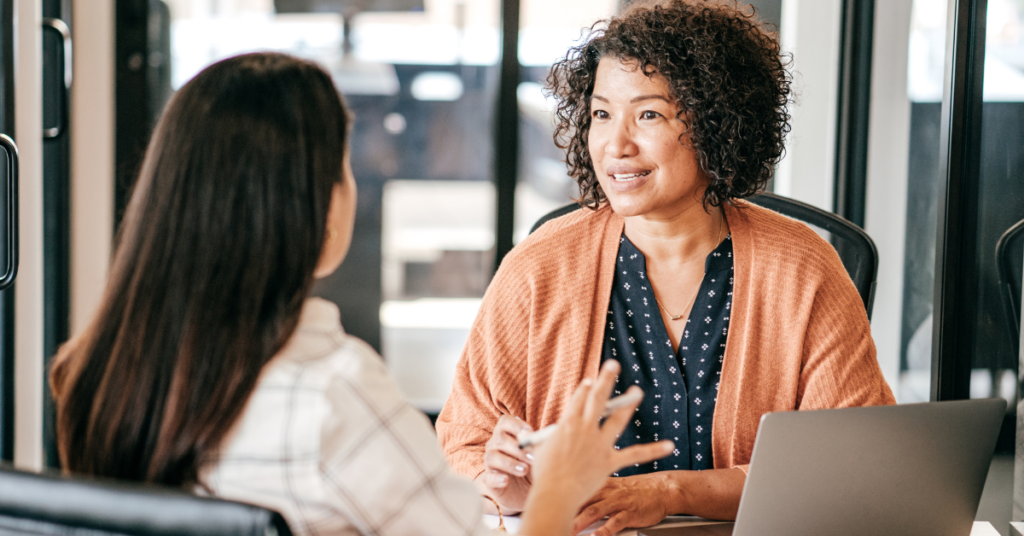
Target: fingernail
[(588, 381), (520, 468), (529, 456), (502, 480)]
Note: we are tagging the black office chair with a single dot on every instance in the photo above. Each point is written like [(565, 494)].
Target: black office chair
[(1010, 260), (855, 247), (44, 504)]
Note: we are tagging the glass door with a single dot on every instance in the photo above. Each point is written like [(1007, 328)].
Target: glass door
[(980, 187), (421, 77)]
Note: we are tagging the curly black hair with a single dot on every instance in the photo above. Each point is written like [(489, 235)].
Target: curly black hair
[(723, 68)]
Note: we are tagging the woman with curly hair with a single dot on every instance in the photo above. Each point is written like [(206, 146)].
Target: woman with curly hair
[(670, 115)]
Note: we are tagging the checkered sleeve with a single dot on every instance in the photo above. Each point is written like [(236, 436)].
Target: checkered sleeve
[(380, 462)]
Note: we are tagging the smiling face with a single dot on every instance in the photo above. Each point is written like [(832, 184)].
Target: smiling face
[(643, 160)]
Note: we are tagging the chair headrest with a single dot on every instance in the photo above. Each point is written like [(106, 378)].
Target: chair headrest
[(126, 508)]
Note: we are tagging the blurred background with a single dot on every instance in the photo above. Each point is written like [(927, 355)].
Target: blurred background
[(454, 159), (423, 79)]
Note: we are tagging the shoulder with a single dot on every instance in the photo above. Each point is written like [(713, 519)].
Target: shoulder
[(361, 394), (351, 390), (352, 378), (774, 242), (359, 379), (357, 409), (333, 420), (327, 365)]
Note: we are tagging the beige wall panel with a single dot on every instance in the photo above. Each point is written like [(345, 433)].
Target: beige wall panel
[(810, 31), (92, 156), (888, 154), (28, 288)]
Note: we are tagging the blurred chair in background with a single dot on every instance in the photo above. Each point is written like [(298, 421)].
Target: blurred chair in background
[(1010, 260)]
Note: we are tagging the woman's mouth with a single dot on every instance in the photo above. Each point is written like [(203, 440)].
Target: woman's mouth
[(625, 177), (626, 180)]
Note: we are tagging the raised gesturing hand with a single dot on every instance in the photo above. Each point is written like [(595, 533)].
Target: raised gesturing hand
[(576, 461)]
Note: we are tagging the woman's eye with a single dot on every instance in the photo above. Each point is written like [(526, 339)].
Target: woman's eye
[(650, 115), (600, 114)]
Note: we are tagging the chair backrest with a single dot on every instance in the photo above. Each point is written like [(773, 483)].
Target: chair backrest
[(1010, 260), (558, 212), (855, 247), (44, 504)]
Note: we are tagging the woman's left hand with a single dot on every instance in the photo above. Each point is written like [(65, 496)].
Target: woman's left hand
[(632, 501)]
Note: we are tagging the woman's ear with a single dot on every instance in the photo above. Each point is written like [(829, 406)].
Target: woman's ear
[(340, 221)]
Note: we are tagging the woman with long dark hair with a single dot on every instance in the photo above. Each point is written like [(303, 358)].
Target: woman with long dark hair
[(208, 367)]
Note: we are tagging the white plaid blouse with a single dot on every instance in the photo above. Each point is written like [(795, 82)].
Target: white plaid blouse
[(328, 441)]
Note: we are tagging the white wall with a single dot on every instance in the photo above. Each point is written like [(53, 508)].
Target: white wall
[(92, 156), (810, 30), (888, 154), (28, 287)]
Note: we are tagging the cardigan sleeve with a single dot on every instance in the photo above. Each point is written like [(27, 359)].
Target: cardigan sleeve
[(840, 365), (491, 376)]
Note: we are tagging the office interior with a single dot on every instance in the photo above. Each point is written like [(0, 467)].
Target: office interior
[(907, 120)]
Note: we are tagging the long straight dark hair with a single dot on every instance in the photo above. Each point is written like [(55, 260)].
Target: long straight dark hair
[(214, 259)]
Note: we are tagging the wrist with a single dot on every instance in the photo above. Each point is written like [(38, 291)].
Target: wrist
[(548, 512), (673, 492)]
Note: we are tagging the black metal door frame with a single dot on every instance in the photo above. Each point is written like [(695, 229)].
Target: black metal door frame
[(7, 296), (956, 269), (57, 76), (506, 138), (854, 109)]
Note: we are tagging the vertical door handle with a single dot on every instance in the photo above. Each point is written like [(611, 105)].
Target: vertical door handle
[(62, 30), (10, 188)]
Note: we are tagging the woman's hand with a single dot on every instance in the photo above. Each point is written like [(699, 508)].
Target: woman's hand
[(632, 501), (643, 500), (506, 476), (576, 461)]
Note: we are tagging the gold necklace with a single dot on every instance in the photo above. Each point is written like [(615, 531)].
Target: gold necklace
[(680, 315), (671, 316)]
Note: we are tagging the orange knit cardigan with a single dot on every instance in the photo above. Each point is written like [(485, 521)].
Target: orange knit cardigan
[(799, 337)]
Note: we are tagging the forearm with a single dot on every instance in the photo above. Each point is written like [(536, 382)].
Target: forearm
[(713, 494)]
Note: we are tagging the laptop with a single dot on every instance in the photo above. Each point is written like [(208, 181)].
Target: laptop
[(911, 470)]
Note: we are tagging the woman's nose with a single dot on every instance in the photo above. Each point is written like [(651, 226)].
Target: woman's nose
[(620, 140)]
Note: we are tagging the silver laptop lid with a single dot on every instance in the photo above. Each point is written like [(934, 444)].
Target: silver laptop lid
[(915, 469)]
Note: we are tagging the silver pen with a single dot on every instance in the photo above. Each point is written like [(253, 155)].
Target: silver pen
[(532, 439)]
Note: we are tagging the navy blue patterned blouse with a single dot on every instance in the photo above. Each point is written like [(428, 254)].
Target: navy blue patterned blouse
[(680, 388)]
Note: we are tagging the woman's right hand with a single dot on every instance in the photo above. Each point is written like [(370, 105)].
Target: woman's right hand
[(506, 477)]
